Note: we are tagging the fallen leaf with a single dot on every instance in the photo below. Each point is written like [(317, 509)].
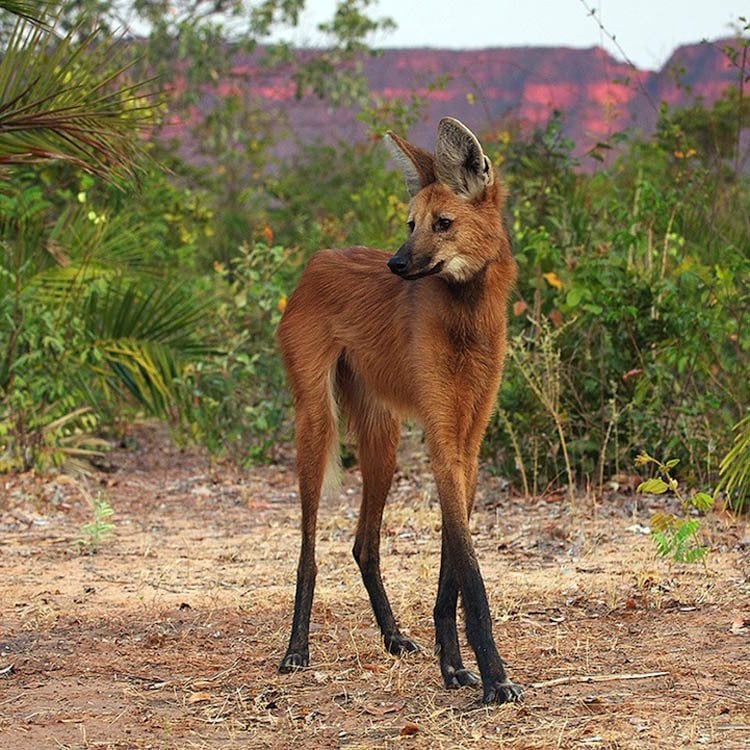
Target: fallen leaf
[(739, 625), (409, 729), (638, 528), (374, 667), (201, 697), (258, 505), (556, 317), (384, 708)]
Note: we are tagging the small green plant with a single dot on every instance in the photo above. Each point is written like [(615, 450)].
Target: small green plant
[(99, 529), (675, 537)]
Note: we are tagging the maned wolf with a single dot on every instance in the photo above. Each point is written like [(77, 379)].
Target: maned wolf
[(422, 334)]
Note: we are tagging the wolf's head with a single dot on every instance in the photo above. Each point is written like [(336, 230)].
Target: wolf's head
[(454, 221)]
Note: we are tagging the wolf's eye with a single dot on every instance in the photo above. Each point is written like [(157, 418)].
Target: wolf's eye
[(410, 225), (442, 224)]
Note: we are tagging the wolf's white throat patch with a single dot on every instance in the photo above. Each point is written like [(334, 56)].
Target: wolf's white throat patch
[(459, 268)]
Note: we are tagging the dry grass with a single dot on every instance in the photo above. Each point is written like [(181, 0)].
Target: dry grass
[(169, 636)]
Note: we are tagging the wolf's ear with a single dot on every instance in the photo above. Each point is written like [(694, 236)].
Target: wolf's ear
[(460, 163), (417, 165)]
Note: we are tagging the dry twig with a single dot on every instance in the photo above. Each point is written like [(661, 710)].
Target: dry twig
[(569, 679)]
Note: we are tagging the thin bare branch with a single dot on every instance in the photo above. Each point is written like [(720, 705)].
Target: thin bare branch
[(576, 678)]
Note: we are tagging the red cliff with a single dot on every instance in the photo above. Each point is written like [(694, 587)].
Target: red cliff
[(493, 88)]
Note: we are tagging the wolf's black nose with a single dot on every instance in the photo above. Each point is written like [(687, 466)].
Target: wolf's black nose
[(397, 264)]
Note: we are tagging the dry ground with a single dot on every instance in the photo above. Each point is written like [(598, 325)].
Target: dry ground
[(170, 635)]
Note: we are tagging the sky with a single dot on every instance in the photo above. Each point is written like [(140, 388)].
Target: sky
[(646, 30)]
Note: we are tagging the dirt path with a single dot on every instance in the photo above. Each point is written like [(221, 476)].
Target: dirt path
[(170, 635)]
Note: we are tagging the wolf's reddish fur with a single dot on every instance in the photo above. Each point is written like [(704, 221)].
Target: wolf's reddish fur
[(425, 339)]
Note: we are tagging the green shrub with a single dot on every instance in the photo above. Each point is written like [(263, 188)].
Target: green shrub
[(93, 326), (644, 298), (237, 399)]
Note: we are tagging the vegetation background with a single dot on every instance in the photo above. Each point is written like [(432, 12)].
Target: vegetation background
[(135, 282)]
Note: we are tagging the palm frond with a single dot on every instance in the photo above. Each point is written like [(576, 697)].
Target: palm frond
[(115, 240), (33, 11), (82, 249), (735, 467), (167, 314), (143, 342), (59, 258), (148, 371), (64, 99)]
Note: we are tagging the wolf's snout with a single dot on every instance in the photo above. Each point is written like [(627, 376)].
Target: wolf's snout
[(397, 264)]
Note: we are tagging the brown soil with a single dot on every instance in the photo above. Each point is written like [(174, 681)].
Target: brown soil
[(169, 636)]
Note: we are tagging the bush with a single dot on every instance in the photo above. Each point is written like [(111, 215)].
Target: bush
[(94, 325), (632, 277), (238, 402)]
